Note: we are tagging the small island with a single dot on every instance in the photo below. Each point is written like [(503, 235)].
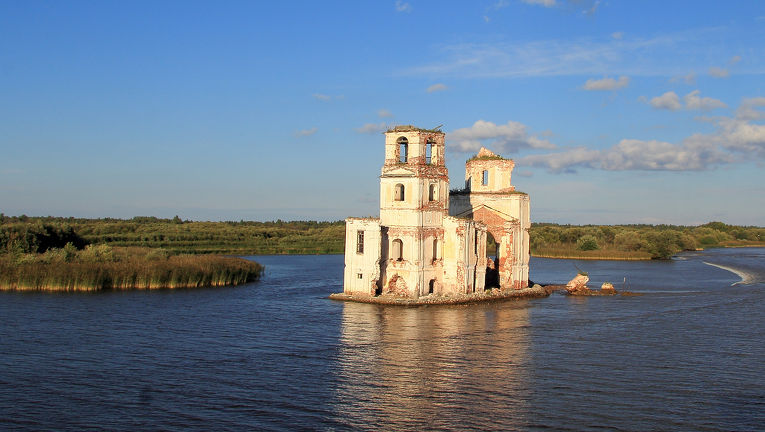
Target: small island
[(52, 258)]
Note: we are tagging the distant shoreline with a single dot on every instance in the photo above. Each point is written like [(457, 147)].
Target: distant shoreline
[(593, 257)]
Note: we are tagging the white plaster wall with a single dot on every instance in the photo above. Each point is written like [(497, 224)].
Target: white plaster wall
[(368, 263), (499, 175)]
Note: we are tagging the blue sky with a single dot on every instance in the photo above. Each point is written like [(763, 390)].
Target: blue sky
[(614, 111)]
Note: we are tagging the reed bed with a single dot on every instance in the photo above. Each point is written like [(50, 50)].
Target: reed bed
[(103, 268), (572, 252)]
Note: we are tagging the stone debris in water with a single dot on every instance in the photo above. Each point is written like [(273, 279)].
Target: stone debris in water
[(578, 284)]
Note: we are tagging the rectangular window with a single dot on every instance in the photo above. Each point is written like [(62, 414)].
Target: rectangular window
[(360, 242), (485, 178)]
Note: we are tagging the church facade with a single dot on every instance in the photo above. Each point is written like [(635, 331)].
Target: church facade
[(428, 241)]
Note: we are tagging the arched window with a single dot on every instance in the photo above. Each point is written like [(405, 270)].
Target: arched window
[(398, 193), (403, 149), (397, 251), (485, 180), (435, 249), (429, 152), (432, 192)]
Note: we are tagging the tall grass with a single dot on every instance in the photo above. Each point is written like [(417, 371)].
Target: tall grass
[(573, 252), (104, 268)]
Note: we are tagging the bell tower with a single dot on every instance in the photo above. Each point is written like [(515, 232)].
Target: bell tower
[(414, 199)]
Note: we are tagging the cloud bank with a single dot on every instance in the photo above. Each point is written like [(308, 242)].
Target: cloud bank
[(735, 139), (505, 138)]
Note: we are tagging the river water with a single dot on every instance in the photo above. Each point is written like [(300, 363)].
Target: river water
[(687, 354)]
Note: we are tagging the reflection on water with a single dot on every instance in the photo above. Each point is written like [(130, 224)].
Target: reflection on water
[(461, 367), (278, 355)]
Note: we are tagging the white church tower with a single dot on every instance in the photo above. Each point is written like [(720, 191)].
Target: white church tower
[(415, 248)]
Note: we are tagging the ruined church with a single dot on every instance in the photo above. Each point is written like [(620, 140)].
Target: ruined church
[(430, 241)]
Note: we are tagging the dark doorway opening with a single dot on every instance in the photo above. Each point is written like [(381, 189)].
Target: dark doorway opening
[(492, 262)]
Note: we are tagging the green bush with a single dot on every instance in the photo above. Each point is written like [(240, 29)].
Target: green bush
[(587, 242)]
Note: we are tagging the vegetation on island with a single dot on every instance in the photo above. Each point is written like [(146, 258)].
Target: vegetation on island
[(51, 254), (36, 235), (102, 267)]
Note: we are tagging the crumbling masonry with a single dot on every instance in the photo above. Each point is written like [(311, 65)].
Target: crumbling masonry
[(427, 241)]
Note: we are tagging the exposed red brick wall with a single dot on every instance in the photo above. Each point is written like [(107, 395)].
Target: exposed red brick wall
[(397, 286)]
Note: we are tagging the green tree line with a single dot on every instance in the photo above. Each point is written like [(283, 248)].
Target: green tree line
[(23, 234), (37, 234), (637, 241)]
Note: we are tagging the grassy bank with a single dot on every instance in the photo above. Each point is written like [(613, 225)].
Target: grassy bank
[(571, 252), (102, 267), (21, 234)]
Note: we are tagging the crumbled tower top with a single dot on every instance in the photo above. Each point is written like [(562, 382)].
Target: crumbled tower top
[(484, 152), (411, 128)]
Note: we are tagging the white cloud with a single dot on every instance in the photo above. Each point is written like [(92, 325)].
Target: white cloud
[(504, 138), (566, 161), (631, 56), (436, 88), (383, 113), (747, 110), (306, 132), (371, 128), (592, 9), (668, 100), (718, 72), (735, 59), (632, 154), (545, 3), (739, 134), (403, 6), (735, 139), (694, 102), (606, 83), (689, 78), (671, 101), (326, 98), (617, 35)]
